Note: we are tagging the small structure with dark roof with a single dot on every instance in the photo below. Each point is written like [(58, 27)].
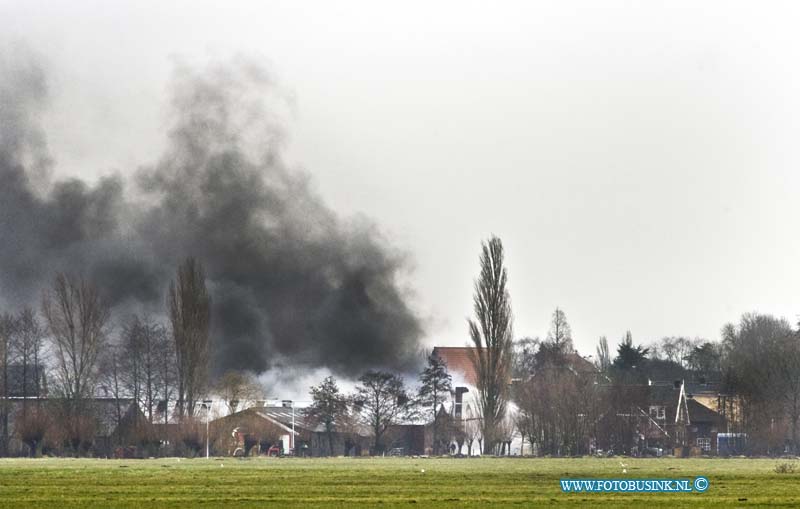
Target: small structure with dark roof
[(257, 430)]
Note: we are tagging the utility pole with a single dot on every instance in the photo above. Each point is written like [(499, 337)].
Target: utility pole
[(294, 453), (207, 404)]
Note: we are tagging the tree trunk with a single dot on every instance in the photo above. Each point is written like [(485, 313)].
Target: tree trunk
[(434, 427)]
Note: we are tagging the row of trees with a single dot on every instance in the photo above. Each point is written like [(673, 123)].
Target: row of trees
[(760, 363), (756, 366), (755, 369), (382, 400), (563, 407), (160, 367)]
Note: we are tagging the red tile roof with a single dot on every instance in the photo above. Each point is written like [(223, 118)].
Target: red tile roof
[(459, 362), (460, 365), (580, 364)]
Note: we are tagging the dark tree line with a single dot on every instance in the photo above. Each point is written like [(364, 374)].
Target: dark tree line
[(381, 400), (556, 397), (760, 361), (561, 405), (755, 368), (73, 340)]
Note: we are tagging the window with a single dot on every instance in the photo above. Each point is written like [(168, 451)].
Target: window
[(657, 412), (704, 443)]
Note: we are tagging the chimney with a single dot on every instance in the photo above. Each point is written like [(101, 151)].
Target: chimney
[(459, 400)]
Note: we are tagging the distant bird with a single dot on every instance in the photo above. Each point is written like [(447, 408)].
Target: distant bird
[(624, 467)]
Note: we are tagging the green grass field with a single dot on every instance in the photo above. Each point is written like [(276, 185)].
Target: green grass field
[(380, 482)]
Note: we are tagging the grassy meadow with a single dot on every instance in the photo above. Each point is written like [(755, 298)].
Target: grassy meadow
[(379, 482)]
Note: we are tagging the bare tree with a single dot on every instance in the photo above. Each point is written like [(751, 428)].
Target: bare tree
[(127, 361), (29, 346), (236, 388), (167, 376), (77, 318), (382, 402), (603, 362), (505, 435), (155, 335), (560, 333), (524, 357), (8, 326), (472, 432), (491, 333), (522, 425), (31, 428), (189, 311), (141, 341), (758, 368), (113, 375), (676, 349), (21, 339), (787, 365)]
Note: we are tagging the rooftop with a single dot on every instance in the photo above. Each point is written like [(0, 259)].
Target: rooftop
[(459, 362)]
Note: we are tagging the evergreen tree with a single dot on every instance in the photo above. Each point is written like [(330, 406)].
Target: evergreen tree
[(327, 408), (435, 386)]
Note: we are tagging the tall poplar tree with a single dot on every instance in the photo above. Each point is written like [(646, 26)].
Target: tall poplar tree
[(491, 332)]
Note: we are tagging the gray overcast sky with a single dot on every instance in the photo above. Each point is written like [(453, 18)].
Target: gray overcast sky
[(639, 162)]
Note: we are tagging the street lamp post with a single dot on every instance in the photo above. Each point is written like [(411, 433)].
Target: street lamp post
[(207, 404), (291, 403), (293, 451)]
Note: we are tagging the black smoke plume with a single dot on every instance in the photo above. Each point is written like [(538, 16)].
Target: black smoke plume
[(291, 282)]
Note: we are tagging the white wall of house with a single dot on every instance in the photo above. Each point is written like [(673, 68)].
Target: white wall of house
[(471, 414)]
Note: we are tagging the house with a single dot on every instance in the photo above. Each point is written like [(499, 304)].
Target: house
[(695, 426), (459, 363), (40, 423), (252, 432), (659, 418), (463, 405), (712, 396), (407, 439), (282, 430), (464, 379), (119, 423)]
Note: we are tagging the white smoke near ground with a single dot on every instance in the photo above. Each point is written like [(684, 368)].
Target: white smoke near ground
[(285, 383)]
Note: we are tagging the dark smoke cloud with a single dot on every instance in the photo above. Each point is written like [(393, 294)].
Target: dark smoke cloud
[(291, 282)]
